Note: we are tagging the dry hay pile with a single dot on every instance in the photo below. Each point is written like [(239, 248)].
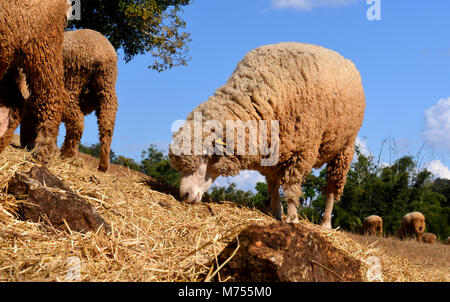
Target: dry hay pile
[(154, 237)]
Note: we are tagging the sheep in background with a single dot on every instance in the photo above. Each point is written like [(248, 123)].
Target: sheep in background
[(413, 224), (32, 35), (317, 98), (90, 69), (429, 238), (373, 225)]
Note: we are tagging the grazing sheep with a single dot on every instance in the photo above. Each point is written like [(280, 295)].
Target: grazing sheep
[(31, 37), (373, 225), (90, 69), (413, 224), (429, 238), (314, 94)]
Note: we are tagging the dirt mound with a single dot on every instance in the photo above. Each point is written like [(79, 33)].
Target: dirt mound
[(286, 253)]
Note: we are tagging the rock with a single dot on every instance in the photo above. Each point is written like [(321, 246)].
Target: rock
[(46, 195), (286, 253)]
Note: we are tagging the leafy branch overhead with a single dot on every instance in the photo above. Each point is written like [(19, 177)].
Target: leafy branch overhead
[(139, 27)]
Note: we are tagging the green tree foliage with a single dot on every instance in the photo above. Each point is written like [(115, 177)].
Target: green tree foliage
[(95, 150), (139, 27), (230, 193), (261, 194), (156, 164), (153, 163)]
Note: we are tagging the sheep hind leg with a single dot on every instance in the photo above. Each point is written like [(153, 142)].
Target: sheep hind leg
[(74, 122), (106, 116), (273, 187), (337, 171)]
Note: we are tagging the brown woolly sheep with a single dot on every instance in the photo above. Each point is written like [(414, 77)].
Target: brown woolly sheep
[(413, 224), (373, 225), (429, 238), (90, 66), (90, 69), (31, 37), (313, 96)]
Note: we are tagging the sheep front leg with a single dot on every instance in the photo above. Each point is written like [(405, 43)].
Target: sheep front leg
[(45, 104), (326, 220), (273, 187), (293, 193)]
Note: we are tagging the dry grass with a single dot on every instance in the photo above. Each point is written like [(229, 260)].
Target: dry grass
[(154, 237), (431, 258)]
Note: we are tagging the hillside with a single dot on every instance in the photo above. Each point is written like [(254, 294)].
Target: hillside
[(155, 237)]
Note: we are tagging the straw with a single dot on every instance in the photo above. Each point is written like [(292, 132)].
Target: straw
[(154, 237)]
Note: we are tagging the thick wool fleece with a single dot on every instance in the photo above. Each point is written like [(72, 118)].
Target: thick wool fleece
[(90, 66), (413, 224), (429, 238), (373, 225), (90, 69), (31, 37), (318, 99)]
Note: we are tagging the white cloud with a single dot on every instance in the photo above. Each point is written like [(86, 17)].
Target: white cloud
[(437, 125), (438, 169), (246, 180), (363, 146), (309, 4)]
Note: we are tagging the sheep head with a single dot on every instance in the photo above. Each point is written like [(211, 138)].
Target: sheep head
[(195, 183)]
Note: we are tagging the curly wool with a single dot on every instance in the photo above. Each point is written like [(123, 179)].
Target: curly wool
[(314, 93), (429, 238), (90, 67), (413, 224), (373, 225), (36, 32)]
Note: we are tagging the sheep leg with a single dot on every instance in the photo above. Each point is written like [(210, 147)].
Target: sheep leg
[(293, 193), (106, 117), (337, 171), (45, 103), (74, 121), (273, 187), (28, 129)]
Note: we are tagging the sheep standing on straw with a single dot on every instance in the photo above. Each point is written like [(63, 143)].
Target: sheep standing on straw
[(312, 101)]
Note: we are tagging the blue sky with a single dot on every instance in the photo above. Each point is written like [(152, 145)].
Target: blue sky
[(404, 61)]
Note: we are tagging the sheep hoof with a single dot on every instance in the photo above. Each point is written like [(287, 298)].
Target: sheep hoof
[(292, 220), (326, 225)]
